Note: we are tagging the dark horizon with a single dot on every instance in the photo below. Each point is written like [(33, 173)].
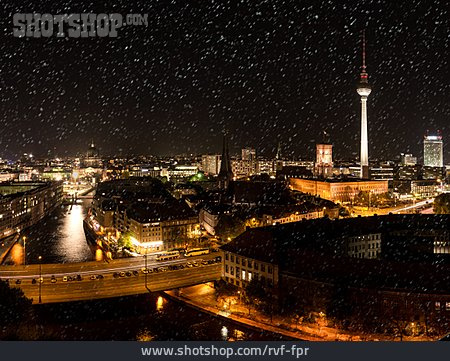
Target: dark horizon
[(278, 71)]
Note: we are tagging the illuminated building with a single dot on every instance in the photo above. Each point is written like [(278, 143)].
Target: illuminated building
[(408, 159), (92, 158), (23, 204), (211, 163), (249, 157), (160, 226), (338, 190), (433, 151), (324, 160)]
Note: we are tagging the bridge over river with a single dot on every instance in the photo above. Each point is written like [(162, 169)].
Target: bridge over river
[(108, 286)]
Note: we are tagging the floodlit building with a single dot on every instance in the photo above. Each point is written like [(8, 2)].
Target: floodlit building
[(324, 160), (23, 204), (338, 190), (211, 163), (433, 151)]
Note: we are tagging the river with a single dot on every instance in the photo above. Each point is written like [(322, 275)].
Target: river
[(57, 238)]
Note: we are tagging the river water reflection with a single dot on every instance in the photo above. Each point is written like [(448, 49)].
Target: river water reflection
[(58, 238)]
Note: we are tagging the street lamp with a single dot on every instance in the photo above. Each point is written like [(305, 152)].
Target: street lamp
[(146, 270), (40, 279), (24, 250)]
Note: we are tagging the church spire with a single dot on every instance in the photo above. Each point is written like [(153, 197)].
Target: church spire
[(225, 173)]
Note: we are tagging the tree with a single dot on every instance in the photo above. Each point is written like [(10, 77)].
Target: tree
[(229, 226), (124, 240), (259, 295), (442, 204), (224, 290), (14, 306), (339, 307)]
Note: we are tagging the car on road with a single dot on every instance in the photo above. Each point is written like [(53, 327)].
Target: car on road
[(163, 269), (218, 259), (122, 274), (116, 275), (53, 279), (128, 274), (65, 279), (79, 278), (100, 277), (18, 282), (41, 280), (195, 264), (33, 281), (93, 277), (189, 265), (144, 270), (135, 273), (205, 263)]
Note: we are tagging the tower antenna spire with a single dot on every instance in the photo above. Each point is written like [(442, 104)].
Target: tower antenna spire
[(364, 74)]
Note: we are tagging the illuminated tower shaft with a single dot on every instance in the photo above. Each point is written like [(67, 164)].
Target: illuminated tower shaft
[(364, 157), (364, 90)]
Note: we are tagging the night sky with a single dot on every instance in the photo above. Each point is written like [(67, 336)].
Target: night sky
[(266, 71)]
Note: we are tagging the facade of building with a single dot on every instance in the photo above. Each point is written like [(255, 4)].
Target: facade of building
[(211, 163), (240, 270), (92, 158), (324, 160), (23, 204), (364, 246), (343, 191), (433, 155), (408, 159), (382, 171), (425, 188)]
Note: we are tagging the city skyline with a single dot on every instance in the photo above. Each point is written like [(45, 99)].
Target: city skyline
[(173, 89)]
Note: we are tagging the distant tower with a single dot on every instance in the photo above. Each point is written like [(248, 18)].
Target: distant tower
[(364, 90), (433, 155), (324, 160), (277, 163), (225, 173), (278, 156)]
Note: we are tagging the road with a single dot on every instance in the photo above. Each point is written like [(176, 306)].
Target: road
[(109, 286), (396, 210)]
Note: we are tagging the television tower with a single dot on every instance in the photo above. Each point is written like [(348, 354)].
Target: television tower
[(364, 90)]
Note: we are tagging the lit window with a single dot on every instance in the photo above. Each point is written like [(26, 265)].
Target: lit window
[(437, 305)]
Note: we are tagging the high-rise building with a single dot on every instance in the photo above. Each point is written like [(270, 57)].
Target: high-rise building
[(211, 163), (408, 159), (324, 160), (248, 154), (249, 160), (364, 89), (433, 151)]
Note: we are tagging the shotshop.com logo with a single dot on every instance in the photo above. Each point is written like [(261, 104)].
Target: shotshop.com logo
[(73, 25)]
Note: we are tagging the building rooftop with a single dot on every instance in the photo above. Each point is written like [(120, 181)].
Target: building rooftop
[(145, 212), (317, 249)]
